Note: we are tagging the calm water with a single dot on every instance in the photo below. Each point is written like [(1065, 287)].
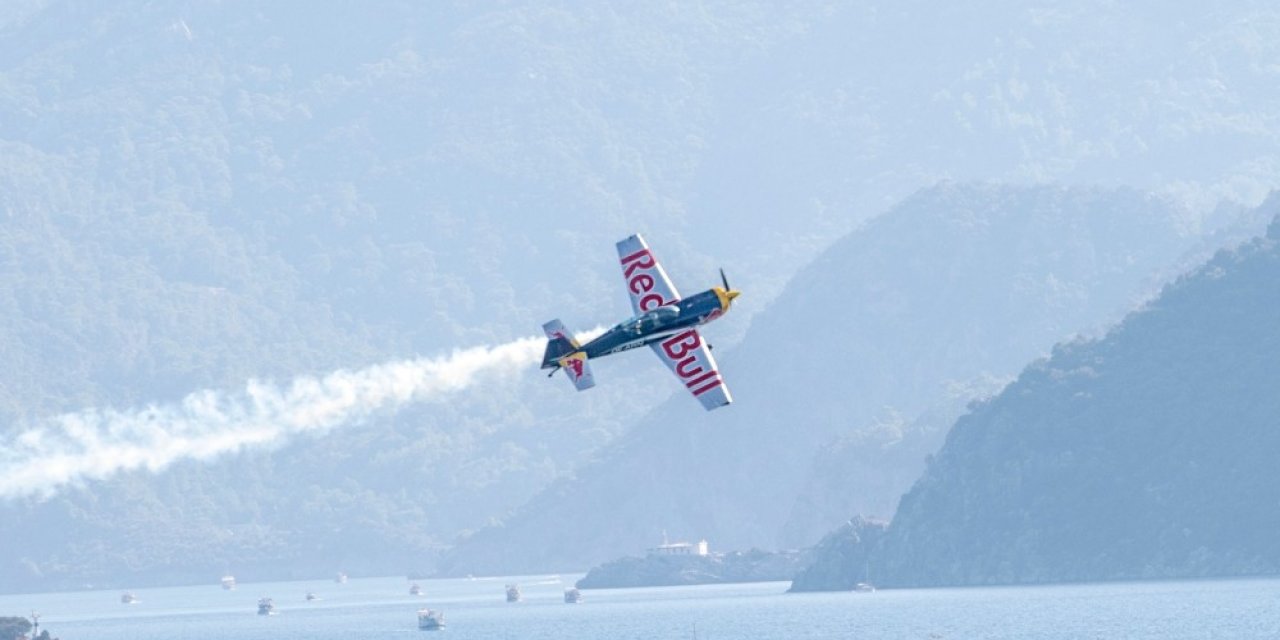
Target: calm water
[(381, 608)]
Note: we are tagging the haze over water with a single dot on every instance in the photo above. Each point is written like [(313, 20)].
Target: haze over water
[(382, 608)]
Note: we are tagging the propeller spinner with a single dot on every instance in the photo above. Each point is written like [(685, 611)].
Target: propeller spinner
[(727, 294)]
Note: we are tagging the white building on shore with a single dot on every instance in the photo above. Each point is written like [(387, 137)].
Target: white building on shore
[(679, 548)]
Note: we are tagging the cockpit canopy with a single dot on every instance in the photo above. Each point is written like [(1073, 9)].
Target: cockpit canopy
[(651, 320)]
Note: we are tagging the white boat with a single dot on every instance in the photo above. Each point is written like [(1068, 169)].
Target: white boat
[(513, 593), (415, 590), (266, 607), (128, 598), (229, 582), (341, 578), (572, 595), (429, 620), (864, 587)]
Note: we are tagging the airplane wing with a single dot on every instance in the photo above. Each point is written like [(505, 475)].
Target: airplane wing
[(647, 282), (684, 353), (689, 358)]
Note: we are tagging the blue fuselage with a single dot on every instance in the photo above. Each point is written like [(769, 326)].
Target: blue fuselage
[(657, 324)]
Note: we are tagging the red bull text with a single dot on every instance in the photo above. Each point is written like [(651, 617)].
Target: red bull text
[(682, 349), (636, 268)]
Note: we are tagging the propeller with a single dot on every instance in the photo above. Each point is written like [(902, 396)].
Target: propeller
[(729, 292)]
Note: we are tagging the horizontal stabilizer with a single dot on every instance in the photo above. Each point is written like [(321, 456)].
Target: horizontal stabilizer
[(562, 353), (575, 366)]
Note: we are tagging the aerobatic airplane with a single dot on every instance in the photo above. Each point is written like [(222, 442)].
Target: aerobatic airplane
[(663, 321)]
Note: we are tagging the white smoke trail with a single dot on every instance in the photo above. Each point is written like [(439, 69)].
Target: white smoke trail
[(96, 444)]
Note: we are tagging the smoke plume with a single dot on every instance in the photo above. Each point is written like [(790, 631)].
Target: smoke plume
[(97, 443)]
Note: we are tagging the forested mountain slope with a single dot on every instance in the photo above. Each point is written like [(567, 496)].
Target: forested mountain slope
[(1145, 454)]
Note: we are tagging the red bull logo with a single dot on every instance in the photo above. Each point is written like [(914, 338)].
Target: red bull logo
[(684, 349), (639, 271), (574, 365)]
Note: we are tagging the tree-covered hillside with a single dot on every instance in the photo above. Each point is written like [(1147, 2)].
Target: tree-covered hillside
[(1145, 454), (193, 195)]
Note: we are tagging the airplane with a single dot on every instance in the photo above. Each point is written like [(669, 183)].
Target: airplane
[(663, 321)]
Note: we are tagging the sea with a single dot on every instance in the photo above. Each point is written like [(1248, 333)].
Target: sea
[(382, 608)]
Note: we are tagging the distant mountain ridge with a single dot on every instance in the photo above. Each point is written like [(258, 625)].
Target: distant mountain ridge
[(1148, 453), (956, 283)]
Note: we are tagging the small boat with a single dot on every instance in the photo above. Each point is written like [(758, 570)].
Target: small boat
[(128, 598), (341, 578), (229, 582), (513, 593), (312, 596), (572, 595), (864, 587), (266, 607), (415, 590), (429, 620)]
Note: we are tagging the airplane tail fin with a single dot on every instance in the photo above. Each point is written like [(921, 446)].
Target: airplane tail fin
[(563, 353), (559, 344)]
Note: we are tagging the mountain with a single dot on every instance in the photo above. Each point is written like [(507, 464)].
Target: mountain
[(193, 195), (866, 468), (888, 452), (1143, 454), (957, 284)]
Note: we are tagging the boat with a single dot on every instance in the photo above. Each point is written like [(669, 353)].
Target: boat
[(572, 595), (266, 607), (312, 596), (128, 598), (415, 590), (513, 593), (229, 582), (864, 587), (341, 578), (429, 620)]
